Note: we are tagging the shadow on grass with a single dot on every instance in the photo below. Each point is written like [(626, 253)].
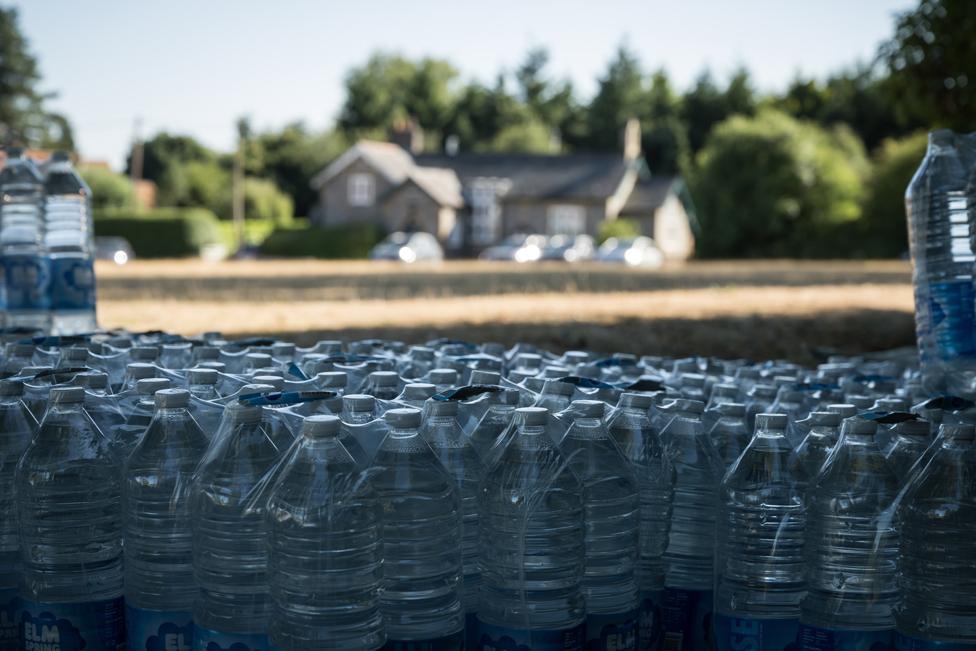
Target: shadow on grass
[(804, 339)]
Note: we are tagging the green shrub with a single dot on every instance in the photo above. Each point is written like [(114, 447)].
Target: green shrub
[(109, 189), (256, 231), (624, 228), (335, 242), (163, 232)]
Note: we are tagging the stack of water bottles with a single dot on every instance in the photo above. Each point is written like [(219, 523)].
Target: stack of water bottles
[(159, 493), (46, 246)]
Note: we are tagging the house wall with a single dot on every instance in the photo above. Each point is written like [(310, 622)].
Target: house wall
[(672, 230), (533, 217), (411, 209), (333, 206)]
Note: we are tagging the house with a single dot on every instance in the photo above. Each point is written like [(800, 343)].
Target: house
[(474, 200)]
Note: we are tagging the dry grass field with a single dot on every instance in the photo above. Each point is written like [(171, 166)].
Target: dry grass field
[(763, 309)]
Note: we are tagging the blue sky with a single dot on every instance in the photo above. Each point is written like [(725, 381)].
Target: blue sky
[(195, 66)]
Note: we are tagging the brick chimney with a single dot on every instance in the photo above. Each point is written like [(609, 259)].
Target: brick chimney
[(632, 140), (408, 134)]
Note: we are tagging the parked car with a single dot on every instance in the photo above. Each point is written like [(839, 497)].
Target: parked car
[(116, 249), (569, 248), (633, 252), (518, 247), (408, 247)]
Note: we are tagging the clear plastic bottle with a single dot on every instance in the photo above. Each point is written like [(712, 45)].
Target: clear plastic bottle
[(760, 399), (358, 408), (759, 574), (486, 437), (811, 455), (443, 433), (230, 533), (937, 519), (159, 586), (641, 444), (383, 385), (444, 379), (532, 544), (852, 547), (326, 552), (908, 441), (69, 499), (940, 240), (202, 383), (416, 394), (421, 529), (689, 559), (729, 434), (70, 241), (21, 234), (611, 509), (17, 428)]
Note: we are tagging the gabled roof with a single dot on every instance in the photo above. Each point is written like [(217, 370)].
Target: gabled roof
[(582, 177), (389, 160), (648, 195), (441, 184)]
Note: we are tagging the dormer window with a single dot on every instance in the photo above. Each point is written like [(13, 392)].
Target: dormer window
[(361, 190)]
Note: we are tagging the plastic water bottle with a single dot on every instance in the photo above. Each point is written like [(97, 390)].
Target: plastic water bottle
[(611, 509), (358, 409), (759, 576), (326, 552), (940, 239), (852, 547), (17, 428), (938, 544), (416, 394), (811, 455), (421, 525), (159, 587), (641, 444), (909, 439), (70, 241), (532, 545), (26, 269), (689, 559), (230, 534), (443, 433), (383, 385), (202, 383), (69, 497), (729, 434), (487, 436)]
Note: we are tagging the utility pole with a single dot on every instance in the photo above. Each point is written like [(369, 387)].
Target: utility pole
[(237, 193)]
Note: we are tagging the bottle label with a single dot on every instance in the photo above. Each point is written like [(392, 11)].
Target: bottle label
[(813, 638), (9, 629), (951, 305), (612, 632), (155, 630), (26, 278), (92, 626), (747, 634), (650, 622), (452, 642), (688, 620), (72, 284), (906, 643), (500, 638), (207, 640)]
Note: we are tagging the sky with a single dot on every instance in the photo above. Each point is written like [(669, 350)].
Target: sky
[(194, 67)]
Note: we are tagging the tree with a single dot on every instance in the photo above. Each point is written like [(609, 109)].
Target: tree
[(481, 113), (705, 105), (23, 119), (165, 157), (664, 136), (530, 136), (885, 233), (620, 96), (110, 190), (262, 200), (931, 62), (552, 104), (293, 155), (771, 185)]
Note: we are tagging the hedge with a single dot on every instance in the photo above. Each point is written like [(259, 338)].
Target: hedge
[(336, 242), (162, 232)]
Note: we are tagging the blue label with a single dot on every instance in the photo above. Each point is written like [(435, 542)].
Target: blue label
[(26, 278), (951, 307), (747, 634), (72, 284), (93, 626), (612, 632), (650, 624), (500, 638), (688, 620), (207, 640), (452, 642), (9, 630), (906, 643), (813, 638), (155, 630)]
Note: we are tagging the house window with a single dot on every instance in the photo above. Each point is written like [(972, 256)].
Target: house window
[(485, 216), (361, 190), (566, 220)]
